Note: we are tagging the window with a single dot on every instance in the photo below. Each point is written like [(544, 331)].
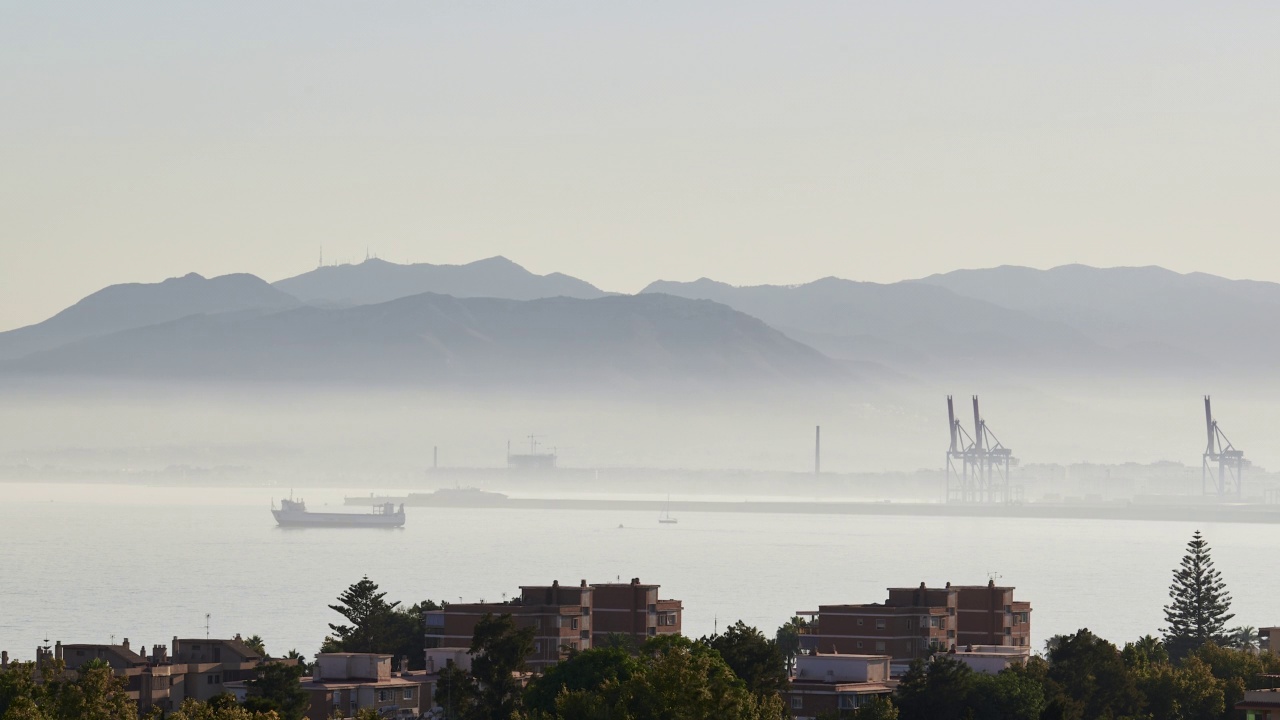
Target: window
[(797, 702), (337, 698), (408, 693), (653, 631), (880, 623), (859, 622), (382, 696), (880, 646), (908, 623), (575, 623), (537, 647), (859, 644)]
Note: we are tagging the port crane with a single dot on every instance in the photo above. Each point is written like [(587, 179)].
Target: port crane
[(1227, 478), (977, 466)]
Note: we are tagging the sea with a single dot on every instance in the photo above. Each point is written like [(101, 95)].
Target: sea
[(98, 563)]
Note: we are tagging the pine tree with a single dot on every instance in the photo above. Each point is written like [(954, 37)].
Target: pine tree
[(1200, 606)]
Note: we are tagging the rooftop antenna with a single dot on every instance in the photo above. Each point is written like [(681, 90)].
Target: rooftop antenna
[(206, 626), (113, 639), (993, 576)]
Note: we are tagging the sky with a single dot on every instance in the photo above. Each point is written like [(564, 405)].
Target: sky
[(623, 142)]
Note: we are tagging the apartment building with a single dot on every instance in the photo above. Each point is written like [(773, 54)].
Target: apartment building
[(828, 685), (209, 664), (564, 618), (199, 668), (343, 684), (146, 683), (914, 622)]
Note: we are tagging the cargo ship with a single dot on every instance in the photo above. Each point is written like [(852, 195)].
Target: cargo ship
[(294, 513)]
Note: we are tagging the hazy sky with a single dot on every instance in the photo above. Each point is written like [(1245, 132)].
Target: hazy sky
[(627, 141)]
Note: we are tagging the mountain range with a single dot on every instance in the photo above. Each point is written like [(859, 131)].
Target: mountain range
[(492, 320), (438, 339), (376, 281)]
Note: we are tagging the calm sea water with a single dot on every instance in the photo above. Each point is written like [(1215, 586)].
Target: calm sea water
[(83, 563)]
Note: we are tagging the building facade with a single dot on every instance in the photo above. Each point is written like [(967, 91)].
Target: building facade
[(198, 669), (914, 622), (343, 684), (828, 685), (565, 618)]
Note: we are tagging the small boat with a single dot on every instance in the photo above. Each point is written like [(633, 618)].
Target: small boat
[(665, 518), (294, 513)]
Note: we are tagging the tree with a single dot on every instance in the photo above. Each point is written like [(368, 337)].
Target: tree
[(196, 710), (276, 688), (687, 680), (1089, 679), (93, 692), (1238, 670), (302, 660), (375, 625), (256, 644), (581, 671), (498, 651), (456, 692), (753, 657), (877, 708), (937, 689), (1145, 651), (1186, 692), (369, 615), (671, 677), (1200, 605), (1245, 638), (788, 639)]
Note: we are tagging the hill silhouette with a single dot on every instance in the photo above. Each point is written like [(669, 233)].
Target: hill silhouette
[(377, 281), (900, 325), (134, 305), (435, 339)]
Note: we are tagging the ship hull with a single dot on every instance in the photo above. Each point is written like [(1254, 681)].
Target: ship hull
[(342, 520)]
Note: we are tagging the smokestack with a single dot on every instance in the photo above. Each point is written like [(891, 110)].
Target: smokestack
[(817, 450)]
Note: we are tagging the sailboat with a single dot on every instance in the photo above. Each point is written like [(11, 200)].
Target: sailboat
[(665, 517)]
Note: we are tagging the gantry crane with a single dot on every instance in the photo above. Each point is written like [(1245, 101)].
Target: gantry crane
[(983, 472), (1230, 461)]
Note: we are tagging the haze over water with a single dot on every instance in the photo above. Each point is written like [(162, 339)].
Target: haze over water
[(84, 562)]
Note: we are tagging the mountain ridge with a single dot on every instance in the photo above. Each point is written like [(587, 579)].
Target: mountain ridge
[(438, 339), (375, 281), (131, 305)]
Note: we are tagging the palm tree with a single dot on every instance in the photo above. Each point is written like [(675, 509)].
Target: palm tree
[(1245, 638)]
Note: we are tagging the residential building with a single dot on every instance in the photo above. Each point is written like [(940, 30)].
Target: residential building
[(343, 684), (199, 669), (1269, 640), (209, 664), (991, 659), (564, 618), (633, 610), (150, 685), (1261, 704), (831, 684), (913, 622)]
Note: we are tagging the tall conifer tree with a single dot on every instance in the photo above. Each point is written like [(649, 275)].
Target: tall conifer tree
[(1201, 605)]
